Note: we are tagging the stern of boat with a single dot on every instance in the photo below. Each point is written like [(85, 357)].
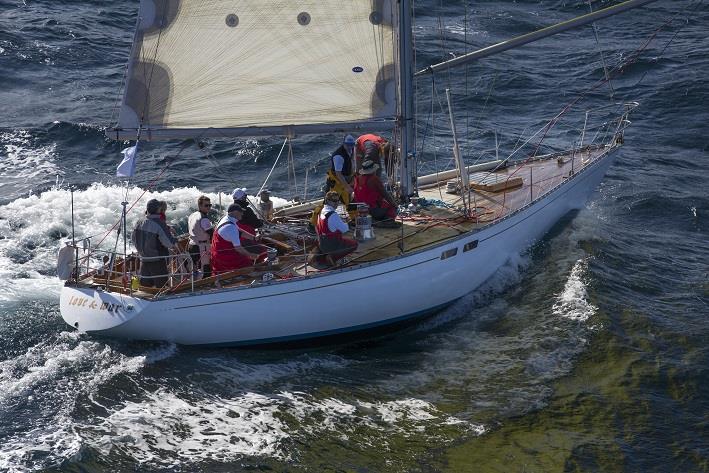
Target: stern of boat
[(95, 310)]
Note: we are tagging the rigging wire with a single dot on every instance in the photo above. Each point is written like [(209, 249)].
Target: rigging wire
[(467, 89), (291, 167), (435, 150), (263, 186), (600, 50), (617, 71), (608, 76)]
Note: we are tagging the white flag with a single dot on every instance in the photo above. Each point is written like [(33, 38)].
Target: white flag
[(127, 166)]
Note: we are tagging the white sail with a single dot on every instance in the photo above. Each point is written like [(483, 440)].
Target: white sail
[(257, 67)]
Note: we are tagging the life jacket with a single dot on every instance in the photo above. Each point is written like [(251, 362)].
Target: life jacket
[(347, 166), (224, 257), (245, 227), (197, 233), (323, 229), (363, 192)]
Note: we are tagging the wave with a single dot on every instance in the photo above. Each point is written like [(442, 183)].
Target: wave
[(572, 302), (167, 430), (33, 228), (26, 162), (43, 386)]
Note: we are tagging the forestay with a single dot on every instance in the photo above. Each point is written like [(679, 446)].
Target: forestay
[(259, 67)]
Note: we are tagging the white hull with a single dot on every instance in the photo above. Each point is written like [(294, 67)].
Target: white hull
[(353, 299)]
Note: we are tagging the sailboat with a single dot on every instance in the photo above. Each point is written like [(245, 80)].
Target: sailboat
[(257, 68)]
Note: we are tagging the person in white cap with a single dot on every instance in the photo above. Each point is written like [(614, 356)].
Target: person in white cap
[(249, 222)]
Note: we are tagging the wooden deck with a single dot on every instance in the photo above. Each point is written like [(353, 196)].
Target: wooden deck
[(440, 217)]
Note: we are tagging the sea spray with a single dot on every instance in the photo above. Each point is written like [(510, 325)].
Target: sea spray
[(32, 229)]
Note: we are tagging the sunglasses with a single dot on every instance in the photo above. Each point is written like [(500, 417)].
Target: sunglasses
[(206, 205)]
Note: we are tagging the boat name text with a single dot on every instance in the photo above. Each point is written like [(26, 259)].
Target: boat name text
[(93, 304)]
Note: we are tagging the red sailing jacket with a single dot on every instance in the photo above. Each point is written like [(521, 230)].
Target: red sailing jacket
[(323, 229), (224, 256)]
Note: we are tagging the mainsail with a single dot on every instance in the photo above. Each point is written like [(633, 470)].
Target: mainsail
[(259, 67)]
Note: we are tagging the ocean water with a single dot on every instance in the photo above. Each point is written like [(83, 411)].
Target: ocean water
[(589, 353)]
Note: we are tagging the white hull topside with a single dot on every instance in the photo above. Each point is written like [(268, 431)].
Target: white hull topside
[(352, 299)]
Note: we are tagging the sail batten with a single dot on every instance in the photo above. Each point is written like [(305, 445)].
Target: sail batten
[(259, 64)]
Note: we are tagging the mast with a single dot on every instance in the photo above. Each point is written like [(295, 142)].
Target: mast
[(406, 99)]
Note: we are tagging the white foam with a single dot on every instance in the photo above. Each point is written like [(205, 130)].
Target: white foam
[(32, 227), (166, 429), (57, 442), (224, 429), (23, 163), (53, 375), (410, 409), (339, 416), (571, 303), (216, 429)]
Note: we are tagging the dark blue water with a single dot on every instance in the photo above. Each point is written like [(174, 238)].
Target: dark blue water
[(587, 354)]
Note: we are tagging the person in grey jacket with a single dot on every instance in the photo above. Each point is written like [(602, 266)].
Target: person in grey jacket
[(153, 243)]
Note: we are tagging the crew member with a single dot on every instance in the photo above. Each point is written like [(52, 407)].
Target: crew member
[(227, 252), (201, 230), (339, 176), (371, 147), (248, 223), (153, 244), (368, 189), (163, 218), (330, 227)]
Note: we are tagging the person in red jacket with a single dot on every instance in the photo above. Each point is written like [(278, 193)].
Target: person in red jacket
[(227, 253), (371, 147), (330, 228), (368, 189)]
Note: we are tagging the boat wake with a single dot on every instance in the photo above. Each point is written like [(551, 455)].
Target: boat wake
[(32, 229), (572, 303), (43, 389), (60, 391), (166, 429)]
